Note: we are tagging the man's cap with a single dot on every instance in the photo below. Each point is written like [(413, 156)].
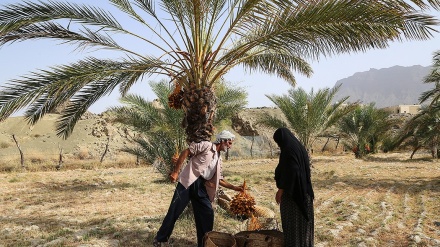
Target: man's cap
[(224, 135)]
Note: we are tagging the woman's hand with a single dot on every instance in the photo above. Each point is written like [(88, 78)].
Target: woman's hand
[(278, 196)]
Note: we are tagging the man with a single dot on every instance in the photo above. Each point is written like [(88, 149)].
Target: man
[(198, 183)]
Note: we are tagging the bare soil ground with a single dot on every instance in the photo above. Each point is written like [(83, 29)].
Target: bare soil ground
[(384, 200)]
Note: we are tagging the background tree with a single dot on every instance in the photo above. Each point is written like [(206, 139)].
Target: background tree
[(365, 128), (194, 43), (433, 95), (159, 126), (433, 110), (230, 100), (308, 115), (423, 130)]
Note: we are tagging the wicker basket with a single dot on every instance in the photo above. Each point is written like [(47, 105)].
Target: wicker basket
[(223, 204), (223, 195), (265, 212), (262, 238), (219, 239)]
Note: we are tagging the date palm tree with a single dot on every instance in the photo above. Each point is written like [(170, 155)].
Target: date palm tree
[(423, 130), (308, 114), (433, 110), (433, 95), (365, 128), (160, 134), (194, 43)]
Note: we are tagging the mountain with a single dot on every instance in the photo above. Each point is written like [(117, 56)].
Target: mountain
[(386, 87)]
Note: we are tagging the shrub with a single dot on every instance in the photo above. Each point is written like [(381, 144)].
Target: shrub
[(4, 144), (83, 154)]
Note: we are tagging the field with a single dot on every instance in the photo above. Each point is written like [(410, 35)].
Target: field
[(383, 200)]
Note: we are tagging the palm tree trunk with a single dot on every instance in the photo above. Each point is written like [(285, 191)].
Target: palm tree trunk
[(325, 145), (337, 142), (434, 151), (199, 105), (414, 151)]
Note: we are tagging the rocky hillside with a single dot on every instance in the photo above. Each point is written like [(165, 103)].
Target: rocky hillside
[(93, 132), (89, 138), (385, 87)]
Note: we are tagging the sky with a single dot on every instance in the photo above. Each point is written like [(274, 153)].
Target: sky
[(19, 59)]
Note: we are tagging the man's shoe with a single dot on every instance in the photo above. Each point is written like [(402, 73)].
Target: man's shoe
[(157, 243)]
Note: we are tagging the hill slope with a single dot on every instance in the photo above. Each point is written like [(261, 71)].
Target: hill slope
[(94, 131), (386, 87)]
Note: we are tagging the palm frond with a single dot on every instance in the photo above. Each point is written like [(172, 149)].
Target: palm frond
[(366, 126), (180, 12), (420, 130), (78, 105), (147, 6), (46, 90), (15, 16), (230, 100), (310, 114), (338, 110), (126, 7), (424, 5), (83, 39), (272, 122), (139, 114), (433, 95), (433, 77), (277, 63), (320, 28), (159, 146), (283, 103)]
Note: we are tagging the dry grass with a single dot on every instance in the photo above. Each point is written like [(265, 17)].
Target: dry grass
[(39, 162), (4, 144), (83, 153), (386, 200)]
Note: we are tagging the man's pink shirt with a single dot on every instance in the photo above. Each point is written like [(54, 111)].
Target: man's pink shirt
[(203, 154)]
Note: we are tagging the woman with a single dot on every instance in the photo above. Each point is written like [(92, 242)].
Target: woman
[(295, 192)]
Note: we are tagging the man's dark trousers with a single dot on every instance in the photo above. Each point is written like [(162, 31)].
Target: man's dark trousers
[(202, 209)]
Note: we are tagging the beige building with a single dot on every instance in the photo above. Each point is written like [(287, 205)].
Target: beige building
[(410, 109)]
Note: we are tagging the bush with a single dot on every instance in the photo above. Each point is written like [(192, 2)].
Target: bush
[(5, 144)]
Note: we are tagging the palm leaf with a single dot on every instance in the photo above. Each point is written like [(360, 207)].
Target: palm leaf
[(230, 100), (86, 38), (433, 77), (16, 16), (274, 62), (309, 115), (47, 90)]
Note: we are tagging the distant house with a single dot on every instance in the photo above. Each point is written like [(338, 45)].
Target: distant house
[(401, 109)]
